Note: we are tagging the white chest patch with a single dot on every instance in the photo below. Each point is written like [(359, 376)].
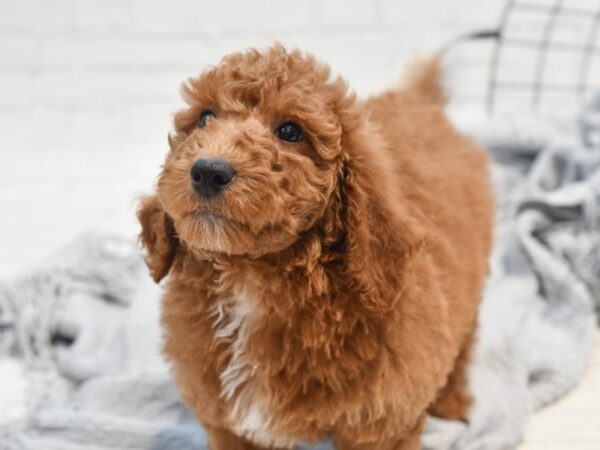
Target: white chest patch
[(233, 322)]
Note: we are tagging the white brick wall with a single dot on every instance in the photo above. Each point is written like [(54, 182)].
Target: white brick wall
[(79, 57), (87, 87)]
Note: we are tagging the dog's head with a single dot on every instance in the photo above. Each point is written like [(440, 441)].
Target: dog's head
[(257, 159)]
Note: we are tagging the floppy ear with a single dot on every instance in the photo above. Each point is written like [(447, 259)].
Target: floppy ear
[(158, 237), (379, 234)]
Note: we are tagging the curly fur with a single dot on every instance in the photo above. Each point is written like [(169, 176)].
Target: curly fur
[(332, 289)]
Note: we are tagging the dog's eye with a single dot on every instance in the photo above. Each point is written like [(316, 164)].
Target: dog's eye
[(206, 115), (289, 132)]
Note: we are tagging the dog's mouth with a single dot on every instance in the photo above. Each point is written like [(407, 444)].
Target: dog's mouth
[(210, 215)]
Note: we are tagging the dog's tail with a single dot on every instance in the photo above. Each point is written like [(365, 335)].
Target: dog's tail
[(424, 79)]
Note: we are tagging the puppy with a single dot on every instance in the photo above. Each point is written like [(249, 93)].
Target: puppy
[(325, 255)]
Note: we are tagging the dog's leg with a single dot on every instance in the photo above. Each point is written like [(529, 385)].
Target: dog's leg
[(222, 439), (454, 400), (408, 441)]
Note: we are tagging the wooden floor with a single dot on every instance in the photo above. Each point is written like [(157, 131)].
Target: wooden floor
[(573, 423)]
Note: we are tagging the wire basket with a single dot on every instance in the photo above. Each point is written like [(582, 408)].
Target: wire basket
[(544, 54)]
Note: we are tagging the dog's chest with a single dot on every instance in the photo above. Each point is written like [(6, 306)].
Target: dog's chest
[(235, 318)]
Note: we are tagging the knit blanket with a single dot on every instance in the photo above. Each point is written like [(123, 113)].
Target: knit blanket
[(84, 323)]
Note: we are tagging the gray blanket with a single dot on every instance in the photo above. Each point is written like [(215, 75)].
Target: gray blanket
[(85, 322)]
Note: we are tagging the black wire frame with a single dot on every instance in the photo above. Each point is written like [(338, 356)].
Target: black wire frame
[(502, 40)]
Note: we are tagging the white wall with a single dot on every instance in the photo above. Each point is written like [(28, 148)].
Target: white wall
[(87, 89)]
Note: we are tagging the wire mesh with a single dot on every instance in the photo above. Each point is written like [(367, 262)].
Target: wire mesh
[(540, 48)]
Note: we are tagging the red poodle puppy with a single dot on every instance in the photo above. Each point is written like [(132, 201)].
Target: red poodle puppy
[(325, 255)]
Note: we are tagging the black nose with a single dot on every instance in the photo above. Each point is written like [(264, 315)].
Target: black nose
[(210, 176)]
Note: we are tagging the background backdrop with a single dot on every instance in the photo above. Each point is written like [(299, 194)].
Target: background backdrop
[(87, 89)]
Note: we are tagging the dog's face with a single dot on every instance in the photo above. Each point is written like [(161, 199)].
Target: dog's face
[(257, 155)]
